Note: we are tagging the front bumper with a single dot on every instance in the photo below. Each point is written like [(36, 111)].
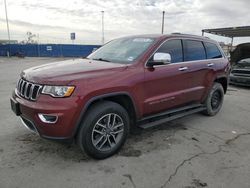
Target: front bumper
[(240, 80), (65, 109)]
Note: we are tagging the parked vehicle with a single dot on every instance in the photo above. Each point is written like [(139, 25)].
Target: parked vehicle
[(137, 81), (240, 74), (242, 51)]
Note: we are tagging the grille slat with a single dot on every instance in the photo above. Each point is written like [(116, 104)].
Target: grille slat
[(247, 72), (28, 90), (35, 92), (22, 88), (31, 90), (28, 86), (20, 83)]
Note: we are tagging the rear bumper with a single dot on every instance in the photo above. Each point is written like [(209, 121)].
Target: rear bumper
[(65, 109), (240, 80)]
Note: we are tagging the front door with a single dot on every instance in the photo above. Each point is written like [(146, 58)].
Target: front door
[(165, 85)]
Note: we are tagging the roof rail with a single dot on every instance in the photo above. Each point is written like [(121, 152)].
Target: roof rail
[(177, 33)]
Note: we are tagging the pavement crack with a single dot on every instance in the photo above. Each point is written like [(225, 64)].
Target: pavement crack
[(188, 160), (229, 141), (130, 178), (207, 132)]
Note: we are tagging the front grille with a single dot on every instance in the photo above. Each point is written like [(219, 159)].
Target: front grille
[(240, 72), (28, 90)]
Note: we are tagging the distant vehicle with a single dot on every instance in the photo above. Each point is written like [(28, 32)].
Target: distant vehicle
[(137, 81), (242, 51), (240, 74)]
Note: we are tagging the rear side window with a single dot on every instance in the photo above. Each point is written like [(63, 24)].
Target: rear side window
[(212, 50), (193, 50), (174, 48)]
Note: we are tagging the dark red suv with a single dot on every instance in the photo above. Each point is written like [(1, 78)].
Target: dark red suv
[(137, 81)]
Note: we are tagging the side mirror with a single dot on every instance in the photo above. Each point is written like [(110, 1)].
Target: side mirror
[(160, 58)]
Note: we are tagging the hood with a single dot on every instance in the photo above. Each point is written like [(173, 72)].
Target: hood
[(242, 51), (241, 66), (70, 70)]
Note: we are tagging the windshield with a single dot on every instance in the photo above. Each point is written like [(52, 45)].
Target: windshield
[(124, 50)]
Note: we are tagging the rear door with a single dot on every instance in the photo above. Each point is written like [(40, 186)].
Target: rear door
[(201, 69)]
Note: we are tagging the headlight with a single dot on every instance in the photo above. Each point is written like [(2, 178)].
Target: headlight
[(58, 91)]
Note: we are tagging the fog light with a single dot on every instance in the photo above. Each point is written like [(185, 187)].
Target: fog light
[(47, 118)]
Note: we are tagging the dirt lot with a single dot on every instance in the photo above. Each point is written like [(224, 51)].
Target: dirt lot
[(192, 152)]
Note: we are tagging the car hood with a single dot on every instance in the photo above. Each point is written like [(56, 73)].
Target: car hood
[(242, 51), (70, 70), (241, 66)]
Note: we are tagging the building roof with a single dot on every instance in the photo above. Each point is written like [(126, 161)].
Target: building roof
[(231, 32), (3, 41)]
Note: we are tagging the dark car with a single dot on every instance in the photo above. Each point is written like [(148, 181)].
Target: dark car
[(240, 74), (242, 51), (137, 81)]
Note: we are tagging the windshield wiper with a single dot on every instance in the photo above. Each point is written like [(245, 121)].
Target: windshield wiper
[(101, 59)]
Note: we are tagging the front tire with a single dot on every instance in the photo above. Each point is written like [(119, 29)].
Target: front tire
[(214, 100), (104, 129)]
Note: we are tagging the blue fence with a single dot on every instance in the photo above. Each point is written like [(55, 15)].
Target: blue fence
[(47, 50)]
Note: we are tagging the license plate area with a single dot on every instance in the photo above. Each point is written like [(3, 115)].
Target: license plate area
[(15, 107)]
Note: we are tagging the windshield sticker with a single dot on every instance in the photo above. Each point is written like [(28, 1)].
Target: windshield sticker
[(130, 58), (142, 40)]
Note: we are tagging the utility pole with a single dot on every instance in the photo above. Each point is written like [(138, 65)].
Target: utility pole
[(232, 41), (7, 22), (102, 27), (38, 47), (162, 26)]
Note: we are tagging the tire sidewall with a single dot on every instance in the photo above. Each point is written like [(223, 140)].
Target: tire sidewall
[(210, 111), (93, 115)]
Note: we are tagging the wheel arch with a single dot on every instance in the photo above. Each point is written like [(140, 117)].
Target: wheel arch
[(122, 98), (223, 81)]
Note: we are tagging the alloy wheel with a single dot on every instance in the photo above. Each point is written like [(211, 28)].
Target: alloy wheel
[(107, 132)]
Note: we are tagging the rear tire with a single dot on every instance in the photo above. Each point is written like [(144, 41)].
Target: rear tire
[(214, 100), (103, 130)]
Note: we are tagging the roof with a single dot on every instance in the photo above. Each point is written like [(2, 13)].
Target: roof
[(231, 32), (169, 35)]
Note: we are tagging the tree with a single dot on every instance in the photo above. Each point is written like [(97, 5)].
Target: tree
[(31, 38)]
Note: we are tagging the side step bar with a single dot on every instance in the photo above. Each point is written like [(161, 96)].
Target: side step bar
[(169, 116)]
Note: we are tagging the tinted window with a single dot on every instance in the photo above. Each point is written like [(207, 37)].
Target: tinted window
[(212, 51), (194, 50), (174, 48)]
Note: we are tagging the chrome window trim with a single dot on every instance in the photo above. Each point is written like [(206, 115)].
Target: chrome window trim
[(184, 62)]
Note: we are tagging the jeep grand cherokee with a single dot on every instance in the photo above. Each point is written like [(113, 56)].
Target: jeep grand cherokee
[(136, 81)]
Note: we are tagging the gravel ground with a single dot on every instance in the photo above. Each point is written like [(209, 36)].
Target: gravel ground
[(192, 152)]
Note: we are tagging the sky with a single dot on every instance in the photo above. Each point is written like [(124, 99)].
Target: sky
[(54, 20)]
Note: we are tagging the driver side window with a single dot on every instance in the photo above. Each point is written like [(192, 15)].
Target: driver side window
[(174, 48)]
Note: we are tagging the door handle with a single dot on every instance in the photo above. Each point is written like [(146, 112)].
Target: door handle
[(210, 64), (183, 68)]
